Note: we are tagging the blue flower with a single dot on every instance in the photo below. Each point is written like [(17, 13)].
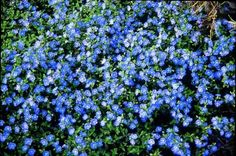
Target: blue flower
[(71, 130), (79, 140), (228, 135), (28, 141), (11, 146), (151, 142), (7, 129), (4, 88), (158, 129), (102, 123), (133, 137), (8, 100), (25, 87), (198, 143), (162, 141), (12, 119), (21, 45), (75, 151), (44, 142), (94, 122), (31, 152), (214, 148), (17, 129), (50, 137), (1, 122), (46, 153), (48, 117), (229, 98), (175, 149), (83, 154), (58, 149), (24, 148), (87, 126), (93, 145), (25, 127)]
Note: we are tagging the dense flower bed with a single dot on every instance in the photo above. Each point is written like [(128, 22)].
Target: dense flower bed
[(115, 79)]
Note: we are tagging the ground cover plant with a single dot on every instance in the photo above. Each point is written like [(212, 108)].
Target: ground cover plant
[(115, 78)]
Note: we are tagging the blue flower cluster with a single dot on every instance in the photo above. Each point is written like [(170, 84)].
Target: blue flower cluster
[(100, 77)]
